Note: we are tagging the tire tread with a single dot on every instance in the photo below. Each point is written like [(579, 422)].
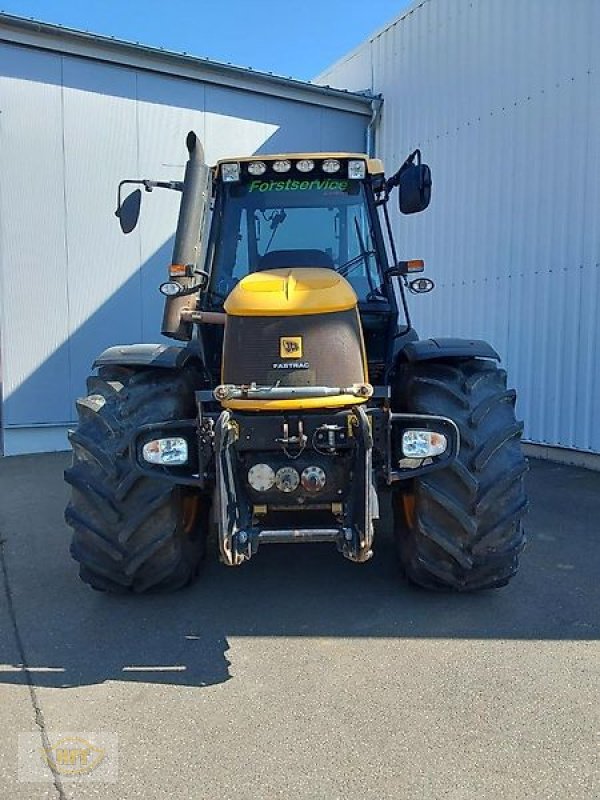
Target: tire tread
[(467, 531), (126, 526)]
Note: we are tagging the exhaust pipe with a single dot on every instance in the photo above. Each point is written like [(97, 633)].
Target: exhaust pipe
[(187, 249)]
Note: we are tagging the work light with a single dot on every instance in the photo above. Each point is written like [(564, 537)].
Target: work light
[(331, 165), (305, 165), (230, 172), (357, 170), (257, 168)]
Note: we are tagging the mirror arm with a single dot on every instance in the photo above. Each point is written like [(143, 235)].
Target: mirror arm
[(392, 271), (148, 186), (394, 179), (403, 268), (176, 186)]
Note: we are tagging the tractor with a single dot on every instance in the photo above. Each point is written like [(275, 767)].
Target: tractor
[(296, 394)]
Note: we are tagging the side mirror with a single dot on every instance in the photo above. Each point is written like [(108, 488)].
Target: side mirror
[(414, 188), (128, 211)]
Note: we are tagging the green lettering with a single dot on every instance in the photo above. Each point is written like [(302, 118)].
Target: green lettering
[(295, 185)]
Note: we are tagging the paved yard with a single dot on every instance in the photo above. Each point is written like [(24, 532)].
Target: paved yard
[(302, 675)]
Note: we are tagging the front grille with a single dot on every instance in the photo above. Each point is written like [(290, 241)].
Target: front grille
[(331, 350)]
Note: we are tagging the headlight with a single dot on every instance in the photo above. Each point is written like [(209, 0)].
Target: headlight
[(170, 288), (331, 165), (230, 173), (357, 170), (261, 477), (172, 451), (282, 166), (423, 444), (257, 168), (305, 165)]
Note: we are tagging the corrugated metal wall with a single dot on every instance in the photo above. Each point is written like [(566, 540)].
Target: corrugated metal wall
[(502, 97), (71, 283)]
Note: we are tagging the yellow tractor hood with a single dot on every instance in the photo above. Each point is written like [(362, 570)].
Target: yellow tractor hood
[(290, 291)]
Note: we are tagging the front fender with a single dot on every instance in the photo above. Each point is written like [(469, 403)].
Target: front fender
[(447, 348), (146, 355)]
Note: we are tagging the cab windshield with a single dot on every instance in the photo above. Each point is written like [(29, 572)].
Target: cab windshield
[(269, 224)]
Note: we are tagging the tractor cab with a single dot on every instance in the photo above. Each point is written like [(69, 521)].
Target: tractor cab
[(295, 211)]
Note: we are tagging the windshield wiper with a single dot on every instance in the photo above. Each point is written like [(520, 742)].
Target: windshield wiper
[(348, 266), (275, 220), (364, 255)]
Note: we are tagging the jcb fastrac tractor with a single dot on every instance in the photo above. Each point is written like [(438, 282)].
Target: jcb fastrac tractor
[(301, 396)]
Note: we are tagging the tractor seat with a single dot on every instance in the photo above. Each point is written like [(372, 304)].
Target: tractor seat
[(295, 258)]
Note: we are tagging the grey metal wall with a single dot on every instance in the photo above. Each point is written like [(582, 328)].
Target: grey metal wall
[(502, 97), (71, 284)]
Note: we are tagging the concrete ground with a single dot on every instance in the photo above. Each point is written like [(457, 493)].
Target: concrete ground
[(302, 675)]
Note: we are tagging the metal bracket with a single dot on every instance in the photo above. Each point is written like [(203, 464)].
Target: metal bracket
[(356, 542)]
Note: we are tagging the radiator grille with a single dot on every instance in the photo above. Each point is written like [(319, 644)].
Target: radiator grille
[(331, 350)]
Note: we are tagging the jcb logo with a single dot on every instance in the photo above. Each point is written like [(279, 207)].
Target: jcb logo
[(290, 347)]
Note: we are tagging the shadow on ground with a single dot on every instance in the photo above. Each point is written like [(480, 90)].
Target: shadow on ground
[(73, 636)]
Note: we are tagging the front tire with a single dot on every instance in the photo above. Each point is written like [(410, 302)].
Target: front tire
[(460, 528), (131, 533)]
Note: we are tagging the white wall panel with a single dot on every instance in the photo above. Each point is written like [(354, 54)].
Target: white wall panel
[(71, 283), (501, 95), (100, 136), (341, 131), (237, 122), (167, 109), (33, 301)]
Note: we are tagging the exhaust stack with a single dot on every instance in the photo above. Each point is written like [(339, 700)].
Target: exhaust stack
[(189, 242)]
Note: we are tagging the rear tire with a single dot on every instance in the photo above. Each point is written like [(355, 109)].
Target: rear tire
[(460, 528), (131, 533)]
